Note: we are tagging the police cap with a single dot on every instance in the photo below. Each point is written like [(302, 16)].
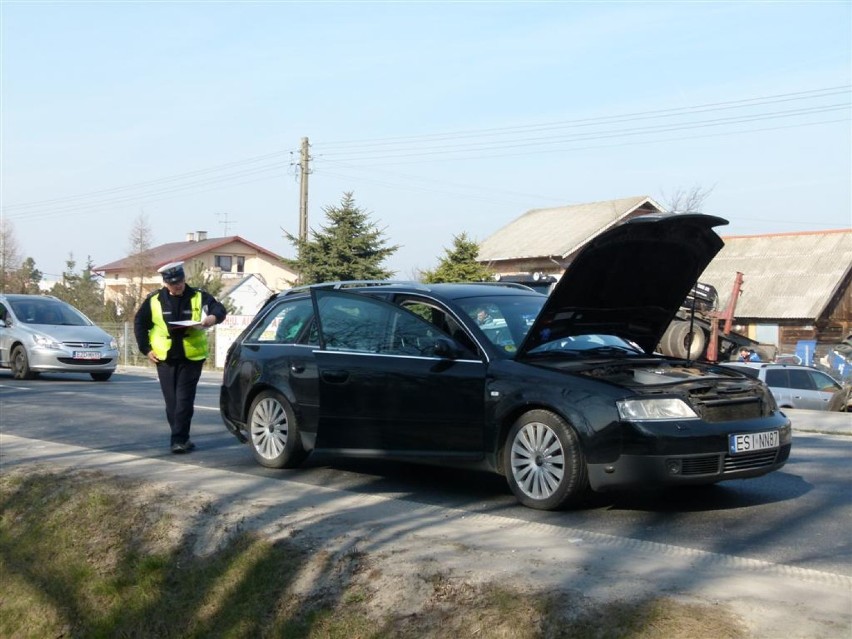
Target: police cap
[(172, 273)]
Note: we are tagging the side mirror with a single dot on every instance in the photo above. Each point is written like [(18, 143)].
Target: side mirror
[(2, 323), (446, 348)]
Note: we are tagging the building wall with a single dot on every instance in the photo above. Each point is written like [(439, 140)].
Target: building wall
[(830, 329), (268, 269)]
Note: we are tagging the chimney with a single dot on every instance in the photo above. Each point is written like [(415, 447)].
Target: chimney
[(190, 237), (202, 235)]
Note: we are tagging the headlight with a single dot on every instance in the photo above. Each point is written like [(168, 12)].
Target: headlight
[(654, 409), (113, 344), (43, 341)]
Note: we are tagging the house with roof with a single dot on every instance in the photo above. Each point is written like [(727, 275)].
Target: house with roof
[(797, 287), (247, 294), (232, 257), (546, 240)]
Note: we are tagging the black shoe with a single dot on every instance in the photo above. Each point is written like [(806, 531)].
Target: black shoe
[(185, 447)]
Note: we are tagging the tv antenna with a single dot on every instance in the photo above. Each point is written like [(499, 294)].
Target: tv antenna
[(226, 224)]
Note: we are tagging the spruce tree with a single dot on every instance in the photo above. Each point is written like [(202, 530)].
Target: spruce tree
[(459, 264), (348, 247)]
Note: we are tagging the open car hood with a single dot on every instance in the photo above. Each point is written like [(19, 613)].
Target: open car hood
[(629, 281)]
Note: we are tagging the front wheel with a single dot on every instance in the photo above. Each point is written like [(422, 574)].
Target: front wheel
[(21, 364), (544, 464), (101, 377), (273, 432)]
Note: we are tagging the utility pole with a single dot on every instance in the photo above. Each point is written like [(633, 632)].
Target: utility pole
[(303, 191)]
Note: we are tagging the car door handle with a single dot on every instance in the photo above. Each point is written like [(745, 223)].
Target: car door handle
[(297, 367), (335, 377)]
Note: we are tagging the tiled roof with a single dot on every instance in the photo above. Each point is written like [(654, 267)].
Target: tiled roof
[(182, 251)]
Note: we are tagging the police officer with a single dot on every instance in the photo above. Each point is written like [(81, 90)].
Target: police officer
[(169, 328)]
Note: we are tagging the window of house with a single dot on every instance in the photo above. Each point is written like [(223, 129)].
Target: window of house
[(241, 264), (223, 262)]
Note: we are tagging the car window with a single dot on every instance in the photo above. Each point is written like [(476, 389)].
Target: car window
[(505, 320), (47, 311), (444, 323), (823, 382), (287, 323), (777, 377), (801, 379), (369, 325)]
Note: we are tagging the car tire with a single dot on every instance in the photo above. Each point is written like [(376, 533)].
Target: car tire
[(544, 463), (676, 338), (273, 432), (21, 364)]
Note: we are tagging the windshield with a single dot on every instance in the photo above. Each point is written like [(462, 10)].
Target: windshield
[(590, 345), (504, 320), (48, 312)]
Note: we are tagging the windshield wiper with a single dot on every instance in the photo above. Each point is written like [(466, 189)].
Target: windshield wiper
[(621, 351)]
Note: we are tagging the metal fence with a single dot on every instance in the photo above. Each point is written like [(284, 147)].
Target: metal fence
[(129, 354)]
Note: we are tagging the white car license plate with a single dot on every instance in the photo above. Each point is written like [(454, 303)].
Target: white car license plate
[(87, 354), (749, 442)]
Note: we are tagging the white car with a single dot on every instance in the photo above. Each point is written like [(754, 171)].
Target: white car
[(43, 334), (793, 386)]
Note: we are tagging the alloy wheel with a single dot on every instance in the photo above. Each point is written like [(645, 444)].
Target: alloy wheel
[(538, 460), (269, 428)]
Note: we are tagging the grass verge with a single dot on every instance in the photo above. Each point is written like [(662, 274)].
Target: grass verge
[(88, 555)]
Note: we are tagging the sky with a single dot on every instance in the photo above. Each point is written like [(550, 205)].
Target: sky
[(441, 118)]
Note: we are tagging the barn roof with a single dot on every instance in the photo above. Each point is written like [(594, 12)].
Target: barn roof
[(558, 232), (785, 275)]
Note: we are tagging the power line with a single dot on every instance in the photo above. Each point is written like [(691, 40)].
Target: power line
[(483, 143), (445, 149), (640, 115)]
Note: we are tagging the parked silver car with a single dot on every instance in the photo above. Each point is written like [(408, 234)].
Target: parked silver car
[(793, 386), (43, 334)]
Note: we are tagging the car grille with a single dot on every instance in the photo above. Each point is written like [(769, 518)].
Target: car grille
[(728, 410), (749, 461), (83, 345), (709, 464)]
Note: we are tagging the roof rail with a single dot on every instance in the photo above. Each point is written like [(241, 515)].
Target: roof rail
[(344, 284)]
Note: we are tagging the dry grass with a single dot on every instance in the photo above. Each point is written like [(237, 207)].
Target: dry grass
[(88, 555)]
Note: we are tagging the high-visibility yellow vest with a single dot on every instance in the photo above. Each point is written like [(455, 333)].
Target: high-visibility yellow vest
[(194, 340)]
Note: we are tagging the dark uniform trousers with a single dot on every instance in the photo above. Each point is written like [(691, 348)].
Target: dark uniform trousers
[(178, 381)]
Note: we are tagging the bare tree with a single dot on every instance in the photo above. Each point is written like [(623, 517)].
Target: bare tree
[(10, 255), (687, 200), (140, 266)]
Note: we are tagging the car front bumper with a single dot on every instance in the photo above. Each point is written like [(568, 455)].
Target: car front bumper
[(44, 360), (665, 455)]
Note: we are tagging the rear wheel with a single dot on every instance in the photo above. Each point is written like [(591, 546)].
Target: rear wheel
[(543, 461), (21, 364), (273, 432)]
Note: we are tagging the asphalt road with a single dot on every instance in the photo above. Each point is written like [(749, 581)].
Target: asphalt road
[(798, 517)]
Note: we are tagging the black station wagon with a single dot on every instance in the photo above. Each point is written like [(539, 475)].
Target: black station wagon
[(559, 393)]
